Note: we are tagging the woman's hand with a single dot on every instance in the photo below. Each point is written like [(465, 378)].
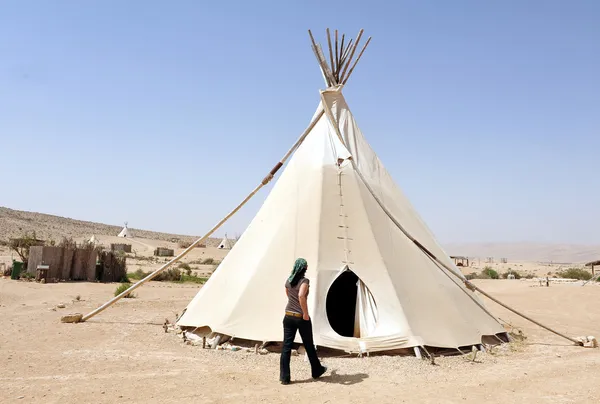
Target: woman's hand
[(305, 317)]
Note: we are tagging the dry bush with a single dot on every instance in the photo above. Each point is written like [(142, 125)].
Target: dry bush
[(185, 244), (575, 273)]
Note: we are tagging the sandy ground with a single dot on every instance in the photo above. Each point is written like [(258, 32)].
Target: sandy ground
[(123, 355)]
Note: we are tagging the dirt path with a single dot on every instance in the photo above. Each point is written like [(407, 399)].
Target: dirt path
[(123, 355)]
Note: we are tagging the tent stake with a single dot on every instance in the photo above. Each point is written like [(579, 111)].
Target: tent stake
[(264, 182)]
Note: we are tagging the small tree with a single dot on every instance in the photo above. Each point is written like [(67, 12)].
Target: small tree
[(22, 245)]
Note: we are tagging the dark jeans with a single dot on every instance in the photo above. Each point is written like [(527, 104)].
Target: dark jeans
[(290, 326)]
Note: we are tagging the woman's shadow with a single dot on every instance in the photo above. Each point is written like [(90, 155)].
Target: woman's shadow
[(334, 378)]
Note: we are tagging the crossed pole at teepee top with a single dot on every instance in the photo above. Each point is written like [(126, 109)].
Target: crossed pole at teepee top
[(336, 72)]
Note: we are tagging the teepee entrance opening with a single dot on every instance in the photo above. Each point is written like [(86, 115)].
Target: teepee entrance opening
[(351, 308)]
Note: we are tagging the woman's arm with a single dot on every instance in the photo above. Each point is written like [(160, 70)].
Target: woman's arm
[(302, 296)]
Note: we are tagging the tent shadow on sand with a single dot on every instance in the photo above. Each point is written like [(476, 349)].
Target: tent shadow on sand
[(334, 378)]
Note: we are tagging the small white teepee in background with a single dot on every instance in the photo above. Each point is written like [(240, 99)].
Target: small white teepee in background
[(225, 244), (93, 240), (126, 232)]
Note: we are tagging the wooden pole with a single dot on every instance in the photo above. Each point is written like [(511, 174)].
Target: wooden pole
[(339, 66), (264, 182), (330, 80), (345, 54), (337, 57), (473, 287), (330, 52), (352, 53), (345, 80)]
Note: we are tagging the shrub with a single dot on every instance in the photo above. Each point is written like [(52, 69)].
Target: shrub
[(185, 244), (122, 288), (209, 261), (193, 279), (575, 273), (489, 273), (170, 275), (516, 274), (137, 275), (185, 267)]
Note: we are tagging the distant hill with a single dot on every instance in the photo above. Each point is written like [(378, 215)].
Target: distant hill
[(13, 223)]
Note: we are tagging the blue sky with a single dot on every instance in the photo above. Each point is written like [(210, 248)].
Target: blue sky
[(487, 114)]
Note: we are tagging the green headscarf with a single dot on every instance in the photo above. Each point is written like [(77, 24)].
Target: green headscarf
[(299, 266)]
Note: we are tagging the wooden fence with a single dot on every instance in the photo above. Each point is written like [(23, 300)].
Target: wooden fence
[(164, 252), (79, 264), (121, 247)]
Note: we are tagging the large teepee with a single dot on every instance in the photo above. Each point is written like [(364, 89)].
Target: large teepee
[(379, 279)]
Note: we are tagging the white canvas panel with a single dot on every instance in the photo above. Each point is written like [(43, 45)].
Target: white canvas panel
[(324, 212)]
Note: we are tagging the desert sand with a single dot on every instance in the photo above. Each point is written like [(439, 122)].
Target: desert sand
[(124, 355)]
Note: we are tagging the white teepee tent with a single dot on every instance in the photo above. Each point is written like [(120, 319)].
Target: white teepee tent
[(376, 281), (126, 232), (93, 240), (225, 244)]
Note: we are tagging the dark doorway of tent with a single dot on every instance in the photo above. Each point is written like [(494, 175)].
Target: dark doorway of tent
[(351, 308)]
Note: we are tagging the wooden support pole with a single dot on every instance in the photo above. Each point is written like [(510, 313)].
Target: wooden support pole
[(352, 54), (264, 182), (329, 79), (345, 53), (473, 287), (345, 80), (330, 52), (337, 57), (340, 64)]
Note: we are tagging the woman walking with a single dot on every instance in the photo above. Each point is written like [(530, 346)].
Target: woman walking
[(297, 319)]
